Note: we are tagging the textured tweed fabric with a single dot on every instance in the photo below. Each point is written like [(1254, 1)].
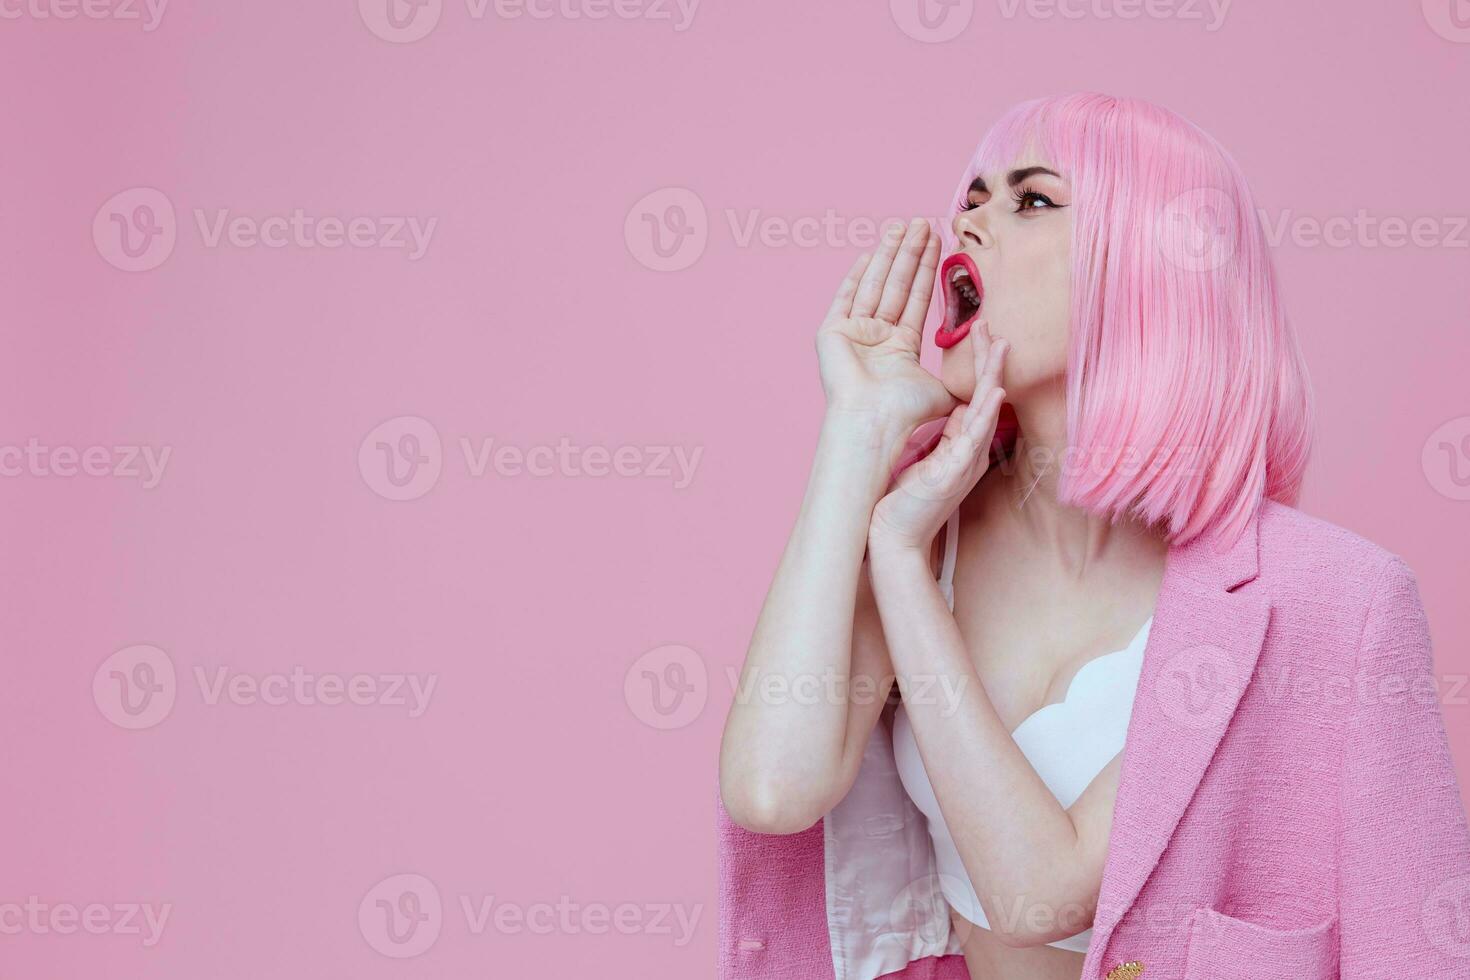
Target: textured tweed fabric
[(1288, 806)]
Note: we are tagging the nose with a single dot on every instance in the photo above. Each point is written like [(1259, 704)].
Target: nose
[(972, 226)]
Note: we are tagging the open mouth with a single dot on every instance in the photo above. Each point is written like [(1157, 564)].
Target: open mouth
[(963, 294)]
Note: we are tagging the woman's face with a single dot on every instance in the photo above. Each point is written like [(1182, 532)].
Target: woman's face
[(1017, 231)]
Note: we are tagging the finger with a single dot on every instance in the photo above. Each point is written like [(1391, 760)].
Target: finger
[(956, 422), (955, 465), (901, 276), (847, 289), (916, 451), (980, 350), (870, 288), (955, 462), (994, 364), (917, 307), (962, 450), (961, 434), (988, 375), (981, 425), (939, 474)]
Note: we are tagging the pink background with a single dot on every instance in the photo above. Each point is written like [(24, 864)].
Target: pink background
[(540, 770)]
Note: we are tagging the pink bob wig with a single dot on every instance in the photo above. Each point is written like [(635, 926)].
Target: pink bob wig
[(1187, 396)]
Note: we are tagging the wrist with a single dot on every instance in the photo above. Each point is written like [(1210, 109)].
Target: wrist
[(855, 456), (867, 429), (888, 549)]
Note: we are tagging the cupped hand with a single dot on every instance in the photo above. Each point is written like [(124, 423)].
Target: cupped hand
[(868, 344), (927, 492)]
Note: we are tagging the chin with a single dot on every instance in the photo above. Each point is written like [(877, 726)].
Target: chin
[(957, 376), (957, 370)]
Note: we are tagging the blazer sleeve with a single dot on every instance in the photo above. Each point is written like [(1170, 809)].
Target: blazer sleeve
[(1404, 847)]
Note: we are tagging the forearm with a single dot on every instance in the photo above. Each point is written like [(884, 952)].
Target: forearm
[(1021, 849), (786, 751)]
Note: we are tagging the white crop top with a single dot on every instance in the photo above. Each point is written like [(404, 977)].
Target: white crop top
[(1067, 743)]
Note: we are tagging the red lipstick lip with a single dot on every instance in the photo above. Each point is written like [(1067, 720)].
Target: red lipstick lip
[(949, 332)]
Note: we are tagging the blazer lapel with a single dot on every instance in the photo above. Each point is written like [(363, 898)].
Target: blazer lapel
[(1201, 653)]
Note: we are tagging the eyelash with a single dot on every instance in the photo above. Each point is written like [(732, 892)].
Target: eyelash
[(1020, 195)]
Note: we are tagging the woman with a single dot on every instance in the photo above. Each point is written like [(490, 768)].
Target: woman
[(1125, 570)]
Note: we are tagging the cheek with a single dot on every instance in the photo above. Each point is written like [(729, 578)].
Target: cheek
[(1050, 307), (1035, 300), (1051, 276), (1056, 317)]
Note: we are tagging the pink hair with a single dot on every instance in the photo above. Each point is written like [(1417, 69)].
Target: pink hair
[(1180, 355)]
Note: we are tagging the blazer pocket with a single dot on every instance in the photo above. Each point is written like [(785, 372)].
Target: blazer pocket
[(1222, 947)]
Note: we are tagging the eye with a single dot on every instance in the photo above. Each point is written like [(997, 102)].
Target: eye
[(967, 205), (1029, 200)]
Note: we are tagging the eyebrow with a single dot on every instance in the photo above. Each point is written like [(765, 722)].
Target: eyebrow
[(1013, 178)]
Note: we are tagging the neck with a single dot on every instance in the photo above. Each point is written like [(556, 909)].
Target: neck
[(1027, 485)]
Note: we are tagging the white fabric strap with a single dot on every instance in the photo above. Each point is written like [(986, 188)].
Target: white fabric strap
[(951, 549)]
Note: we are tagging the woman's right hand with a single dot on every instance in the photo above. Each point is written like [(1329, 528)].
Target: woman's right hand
[(868, 345)]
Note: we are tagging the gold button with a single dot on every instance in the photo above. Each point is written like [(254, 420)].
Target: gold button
[(1131, 970)]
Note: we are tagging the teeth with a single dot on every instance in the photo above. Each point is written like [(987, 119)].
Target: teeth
[(960, 280)]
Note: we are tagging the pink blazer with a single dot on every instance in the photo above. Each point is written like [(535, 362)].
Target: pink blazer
[(1287, 807)]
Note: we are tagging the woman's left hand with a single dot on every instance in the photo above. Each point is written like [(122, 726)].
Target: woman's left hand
[(927, 492)]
